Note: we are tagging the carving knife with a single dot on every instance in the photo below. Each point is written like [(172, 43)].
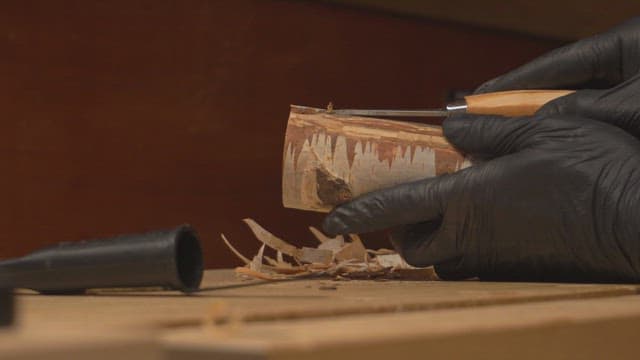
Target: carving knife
[(503, 103)]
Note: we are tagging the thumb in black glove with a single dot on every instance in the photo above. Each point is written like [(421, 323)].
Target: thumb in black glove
[(558, 199), (605, 70)]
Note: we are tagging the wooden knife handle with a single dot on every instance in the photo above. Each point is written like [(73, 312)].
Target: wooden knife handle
[(512, 103)]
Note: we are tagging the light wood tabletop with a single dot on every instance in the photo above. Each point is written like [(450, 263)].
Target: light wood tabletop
[(323, 318)]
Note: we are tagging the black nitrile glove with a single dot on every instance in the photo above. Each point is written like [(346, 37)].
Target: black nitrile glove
[(606, 67), (558, 200)]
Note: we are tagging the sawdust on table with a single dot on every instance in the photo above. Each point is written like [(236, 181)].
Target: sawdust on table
[(337, 258)]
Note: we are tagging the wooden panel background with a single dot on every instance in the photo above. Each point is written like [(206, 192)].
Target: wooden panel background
[(567, 19), (124, 116)]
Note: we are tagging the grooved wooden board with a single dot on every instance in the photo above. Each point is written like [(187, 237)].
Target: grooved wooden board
[(153, 311), (295, 318), (60, 343), (569, 329)]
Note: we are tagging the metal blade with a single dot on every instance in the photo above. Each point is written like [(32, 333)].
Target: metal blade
[(381, 112)]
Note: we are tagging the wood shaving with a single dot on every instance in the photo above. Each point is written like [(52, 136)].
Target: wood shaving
[(314, 256), (233, 250), (271, 240), (256, 263), (321, 237), (271, 261), (354, 250), (335, 245), (333, 258)]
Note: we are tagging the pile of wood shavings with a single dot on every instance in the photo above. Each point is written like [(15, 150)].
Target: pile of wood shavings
[(334, 257)]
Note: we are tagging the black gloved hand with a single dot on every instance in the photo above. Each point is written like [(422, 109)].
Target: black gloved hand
[(609, 62), (559, 200)]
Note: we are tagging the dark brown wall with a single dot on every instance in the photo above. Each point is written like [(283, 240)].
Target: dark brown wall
[(124, 116)]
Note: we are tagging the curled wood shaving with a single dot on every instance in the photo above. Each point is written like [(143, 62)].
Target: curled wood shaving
[(233, 250), (360, 252), (239, 255), (271, 240), (335, 245), (284, 267), (321, 237), (333, 258), (256, 263), (271, 261), (312, 256), (354, 250)]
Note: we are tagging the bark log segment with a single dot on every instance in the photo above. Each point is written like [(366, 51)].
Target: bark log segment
[(329, 159)]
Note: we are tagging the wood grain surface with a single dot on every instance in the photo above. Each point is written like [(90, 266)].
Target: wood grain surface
[(571, 329), (58, 343), (121, 117), (316, 318), (149, 311)]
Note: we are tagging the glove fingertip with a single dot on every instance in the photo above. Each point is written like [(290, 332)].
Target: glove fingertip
[(452, 271), (456, 126), (333, 225), (466, 131)]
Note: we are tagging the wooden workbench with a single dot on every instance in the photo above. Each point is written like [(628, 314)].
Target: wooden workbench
[(236, 319)]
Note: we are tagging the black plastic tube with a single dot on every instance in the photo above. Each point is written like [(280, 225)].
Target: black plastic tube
[(171, 259), (7, 307)]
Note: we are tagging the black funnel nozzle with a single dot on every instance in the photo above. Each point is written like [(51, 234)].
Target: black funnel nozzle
[(171, 259)]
